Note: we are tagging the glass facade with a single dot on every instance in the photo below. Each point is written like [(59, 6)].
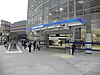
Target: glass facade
[(46, 11)]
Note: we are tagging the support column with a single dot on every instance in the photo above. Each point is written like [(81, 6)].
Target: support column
[(88, 26)]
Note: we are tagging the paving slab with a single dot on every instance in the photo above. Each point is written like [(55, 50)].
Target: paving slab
[(48, 62)]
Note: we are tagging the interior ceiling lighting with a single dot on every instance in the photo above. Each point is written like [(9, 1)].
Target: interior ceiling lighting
[(50, 14), (40, 18), (61, 9), (81, 2)]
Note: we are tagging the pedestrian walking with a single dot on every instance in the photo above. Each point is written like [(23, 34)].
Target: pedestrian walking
[(73, 48), (5, 43), (29, 46), (38, 46), (61, 43), (25, 44), (22, 42), (15, 44), (83, 44), (34, 45)]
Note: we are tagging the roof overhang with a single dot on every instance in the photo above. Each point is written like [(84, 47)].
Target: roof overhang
[(70, 22)]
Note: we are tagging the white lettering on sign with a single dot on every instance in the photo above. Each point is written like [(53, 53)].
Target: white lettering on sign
[(35, 27)]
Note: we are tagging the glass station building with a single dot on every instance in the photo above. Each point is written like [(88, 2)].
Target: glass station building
[(48, 11)]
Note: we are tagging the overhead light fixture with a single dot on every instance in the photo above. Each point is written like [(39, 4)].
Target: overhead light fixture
[(61, 9), (40, 18), (81, 2), (50, 14)]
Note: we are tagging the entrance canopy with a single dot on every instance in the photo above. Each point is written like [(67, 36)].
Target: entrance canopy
[(70, 22)]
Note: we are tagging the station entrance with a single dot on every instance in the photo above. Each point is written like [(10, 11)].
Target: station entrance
[(61, 39), (61, 34)]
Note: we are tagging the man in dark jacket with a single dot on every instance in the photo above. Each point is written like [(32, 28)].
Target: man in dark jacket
[(73, 48), (29, 46), (34, 45), (24, 43), (5, 42), (38, 46)]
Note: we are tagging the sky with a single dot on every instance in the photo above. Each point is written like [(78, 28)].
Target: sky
[(13, 10)]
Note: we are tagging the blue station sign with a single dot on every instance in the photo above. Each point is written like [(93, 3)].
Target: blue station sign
[(58, 23)]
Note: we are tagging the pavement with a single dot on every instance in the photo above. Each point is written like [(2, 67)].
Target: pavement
[(48, 62)]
